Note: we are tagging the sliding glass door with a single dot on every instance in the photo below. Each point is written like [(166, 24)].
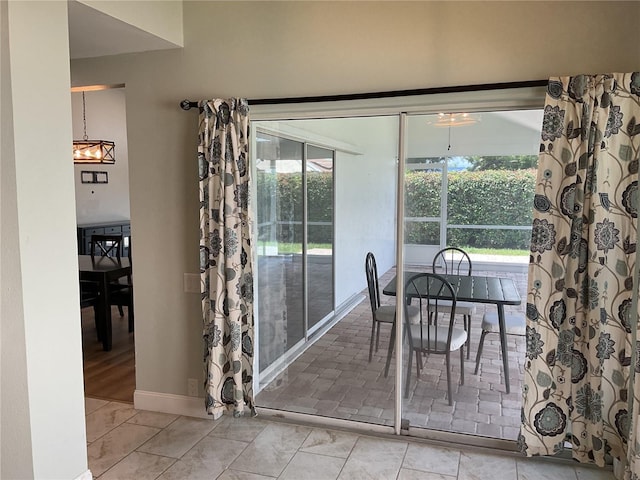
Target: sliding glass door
[(319, 252), (475, 180), (279, 205), (295, 243), (328, 194)]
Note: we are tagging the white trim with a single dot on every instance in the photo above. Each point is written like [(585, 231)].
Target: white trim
[(281, 129), (325, 422), (463, 439), (169, 403), (515, 267), (474, 101), (85, 476), (434, 437)]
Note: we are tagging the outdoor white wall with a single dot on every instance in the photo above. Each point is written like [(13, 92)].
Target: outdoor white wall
[(282, 49), (365, 193), (42, 425), (106, 120)]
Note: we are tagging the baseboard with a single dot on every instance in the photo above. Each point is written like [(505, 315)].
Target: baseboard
[(169, 403), (85, 476)]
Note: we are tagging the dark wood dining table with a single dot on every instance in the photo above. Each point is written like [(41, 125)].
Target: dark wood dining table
[(471, 288), (103, 270)]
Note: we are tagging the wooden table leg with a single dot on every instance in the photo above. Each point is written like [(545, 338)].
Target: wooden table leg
[(503, 344)]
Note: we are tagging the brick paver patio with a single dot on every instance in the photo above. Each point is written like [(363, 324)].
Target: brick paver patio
[(334, 378)]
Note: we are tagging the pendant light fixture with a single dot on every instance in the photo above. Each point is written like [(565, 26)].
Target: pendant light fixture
[(92, 151), (449, 120), (456, 119)]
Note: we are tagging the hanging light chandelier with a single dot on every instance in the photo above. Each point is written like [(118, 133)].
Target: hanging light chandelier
[(455, 119), (92, 151)]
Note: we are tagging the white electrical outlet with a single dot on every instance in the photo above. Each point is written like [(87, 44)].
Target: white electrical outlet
[(191, 283), (192, 387)]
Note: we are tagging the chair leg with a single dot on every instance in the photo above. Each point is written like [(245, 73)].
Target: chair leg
[(373, 332), (392, 339), (130, 314), (467, 321), (449, 392), (377, 336), (462, 365), (480, 345), (408, 380), (120, 310), (418, 363)]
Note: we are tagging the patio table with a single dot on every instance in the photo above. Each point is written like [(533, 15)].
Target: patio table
[(471, 288)]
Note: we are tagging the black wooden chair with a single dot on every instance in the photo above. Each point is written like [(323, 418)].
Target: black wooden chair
[(121, 294), (121, 291), (90, 297), (106, 246)]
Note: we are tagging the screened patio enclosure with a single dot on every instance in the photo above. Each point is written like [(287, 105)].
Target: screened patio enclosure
[(313, 315)]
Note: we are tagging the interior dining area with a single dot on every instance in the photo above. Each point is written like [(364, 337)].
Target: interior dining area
[(104, 241)]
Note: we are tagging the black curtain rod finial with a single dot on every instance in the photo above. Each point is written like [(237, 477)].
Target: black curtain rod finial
[(186, 104)]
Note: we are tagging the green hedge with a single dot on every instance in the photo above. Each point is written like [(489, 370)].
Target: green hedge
[(287, 189), (490, 197)]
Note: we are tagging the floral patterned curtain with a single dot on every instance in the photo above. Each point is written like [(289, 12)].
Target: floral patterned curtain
[(581, 327), (225, 255)]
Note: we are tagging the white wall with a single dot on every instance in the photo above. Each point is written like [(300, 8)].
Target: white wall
[(163, 20), (15, 431), (106, 120), (42, 425), (365, 195), (282, 49)]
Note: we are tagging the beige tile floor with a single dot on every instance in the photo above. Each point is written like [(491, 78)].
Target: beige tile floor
[(124, 443)]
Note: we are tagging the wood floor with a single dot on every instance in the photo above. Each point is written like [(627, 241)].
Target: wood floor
[(108, 375)]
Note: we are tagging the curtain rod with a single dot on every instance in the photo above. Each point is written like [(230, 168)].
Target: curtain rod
[(187, 104)]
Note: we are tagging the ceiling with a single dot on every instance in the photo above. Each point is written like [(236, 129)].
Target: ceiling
[(95, 34)]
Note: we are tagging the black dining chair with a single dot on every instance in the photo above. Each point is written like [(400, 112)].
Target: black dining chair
[(455, 261), (90, 297), (106, 246), (513, 324), (120, 291), (379, 313), (433, 337)]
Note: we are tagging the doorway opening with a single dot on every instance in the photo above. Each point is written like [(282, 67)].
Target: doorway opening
[(103, 208), (334, 377)]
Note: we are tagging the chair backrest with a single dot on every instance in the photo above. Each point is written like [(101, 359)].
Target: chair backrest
[(452, 261), (106, 246), (372, 281), (431, 289)]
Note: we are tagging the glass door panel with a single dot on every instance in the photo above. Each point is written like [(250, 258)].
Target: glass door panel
[(280, 236), (425, 202), (319, 182), (483, 199), (350, 209)]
